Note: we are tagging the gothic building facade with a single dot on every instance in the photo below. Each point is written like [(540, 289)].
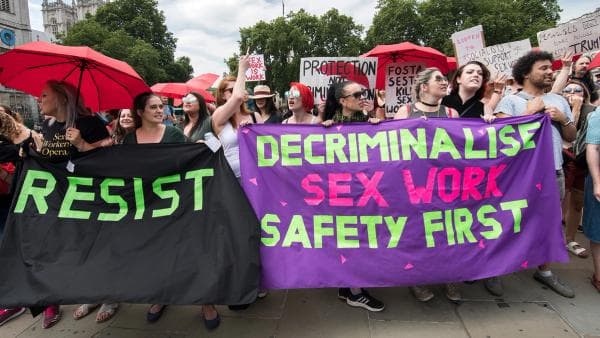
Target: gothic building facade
[(59, 15)]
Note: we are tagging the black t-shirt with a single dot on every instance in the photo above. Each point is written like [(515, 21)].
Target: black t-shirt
[(472, 108), (56, 148)]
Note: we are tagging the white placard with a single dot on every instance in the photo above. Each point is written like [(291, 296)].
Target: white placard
[(579, 36), (500, 58), (467, 41), (318, 73), (399, 80), (256, 72)]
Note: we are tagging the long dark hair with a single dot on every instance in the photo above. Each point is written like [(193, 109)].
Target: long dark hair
[(119, 132), (269, 106), (486, 77), (139, 103), (332, 103), (202, 113)]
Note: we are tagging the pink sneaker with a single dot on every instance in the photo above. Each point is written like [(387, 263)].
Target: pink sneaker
[(51, 316), (10, 313)]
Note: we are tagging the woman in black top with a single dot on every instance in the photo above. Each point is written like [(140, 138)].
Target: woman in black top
[(468, 88), (196, 116)]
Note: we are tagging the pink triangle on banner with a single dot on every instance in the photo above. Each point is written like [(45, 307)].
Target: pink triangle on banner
[(525, 264), (338, 127), (253, 181), (343, 259), (539, 186), (481, 244), (245, 130), (283, 203), (481, 131), (408, 266)]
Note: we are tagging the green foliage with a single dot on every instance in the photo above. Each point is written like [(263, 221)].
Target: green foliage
[(133, 31), (432, 22), (283, 41)]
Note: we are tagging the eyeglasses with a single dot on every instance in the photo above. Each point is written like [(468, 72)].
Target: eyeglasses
[(189, 99), (573, 90), (228, 90), (440, 78), (358, 95), (293, 93)]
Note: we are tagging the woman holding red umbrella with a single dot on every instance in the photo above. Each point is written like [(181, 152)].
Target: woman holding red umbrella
[(61, 141)]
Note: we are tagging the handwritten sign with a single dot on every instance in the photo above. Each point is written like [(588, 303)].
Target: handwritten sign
[(578, 36), (398, 84), (500, 58), (318, 73), (467, 41), (256, 72)]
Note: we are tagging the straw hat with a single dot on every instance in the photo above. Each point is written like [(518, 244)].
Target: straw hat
[(261, 92)]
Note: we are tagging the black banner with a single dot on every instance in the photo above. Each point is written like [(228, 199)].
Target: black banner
[(161, 224)]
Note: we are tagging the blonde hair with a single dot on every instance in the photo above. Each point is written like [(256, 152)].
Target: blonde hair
[(422, 78), (70, 106)]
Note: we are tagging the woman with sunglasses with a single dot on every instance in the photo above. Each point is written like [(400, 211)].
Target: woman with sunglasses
[(265, 104), (576, 170), (195, 117), (344, 104), (428, 90), (300, 103)]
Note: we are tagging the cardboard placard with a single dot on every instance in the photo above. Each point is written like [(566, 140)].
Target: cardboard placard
[(579, 36), (318, 73), (467, 41), (256, 72), (399, 80), (500, 58)]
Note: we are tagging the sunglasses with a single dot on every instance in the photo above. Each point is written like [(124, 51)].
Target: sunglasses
[(294, 93), (228, 90), (440, 78), (189, 99), (358, 95), (570, 90)]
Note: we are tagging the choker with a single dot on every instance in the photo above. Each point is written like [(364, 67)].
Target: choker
[(430, 105)]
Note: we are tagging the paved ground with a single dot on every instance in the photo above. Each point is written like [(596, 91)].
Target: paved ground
[(526, 310)]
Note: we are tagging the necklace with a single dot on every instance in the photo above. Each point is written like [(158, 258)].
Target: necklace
[(429, 104)]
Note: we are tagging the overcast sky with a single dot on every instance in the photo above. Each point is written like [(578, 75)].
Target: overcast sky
[(208, 31)]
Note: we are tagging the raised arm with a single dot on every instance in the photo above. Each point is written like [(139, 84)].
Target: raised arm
[(223, 113), (563, 77)]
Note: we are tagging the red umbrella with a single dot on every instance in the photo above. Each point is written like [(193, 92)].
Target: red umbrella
[(406, 52), (103, 82), (451, 63), (178, 90), (203, 81), (595, 62)]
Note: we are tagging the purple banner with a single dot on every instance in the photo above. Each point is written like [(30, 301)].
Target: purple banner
[(402, 203)]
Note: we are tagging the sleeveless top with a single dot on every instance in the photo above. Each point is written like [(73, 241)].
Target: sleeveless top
[(231, 148), (312, 120), (414, 112)]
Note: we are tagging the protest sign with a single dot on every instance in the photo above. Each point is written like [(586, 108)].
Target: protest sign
[(398, 85), (405, 202), (467, 41), (500, 58), (256, 71), (123, 228), (318, 73), (578, 36)]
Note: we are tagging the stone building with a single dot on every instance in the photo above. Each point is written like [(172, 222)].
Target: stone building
[(59, 16), (15, 29)]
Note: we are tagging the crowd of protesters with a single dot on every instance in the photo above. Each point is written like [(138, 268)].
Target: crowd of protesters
[(570, 99)]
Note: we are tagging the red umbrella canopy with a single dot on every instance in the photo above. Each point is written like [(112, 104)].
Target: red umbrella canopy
[(178, 90), (203, 81), (104, 83), (595, 62), (451, 63), (406, 52)]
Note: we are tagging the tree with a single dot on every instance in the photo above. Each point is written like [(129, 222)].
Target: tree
[(133, 31), (432, 22), (284, 41)]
